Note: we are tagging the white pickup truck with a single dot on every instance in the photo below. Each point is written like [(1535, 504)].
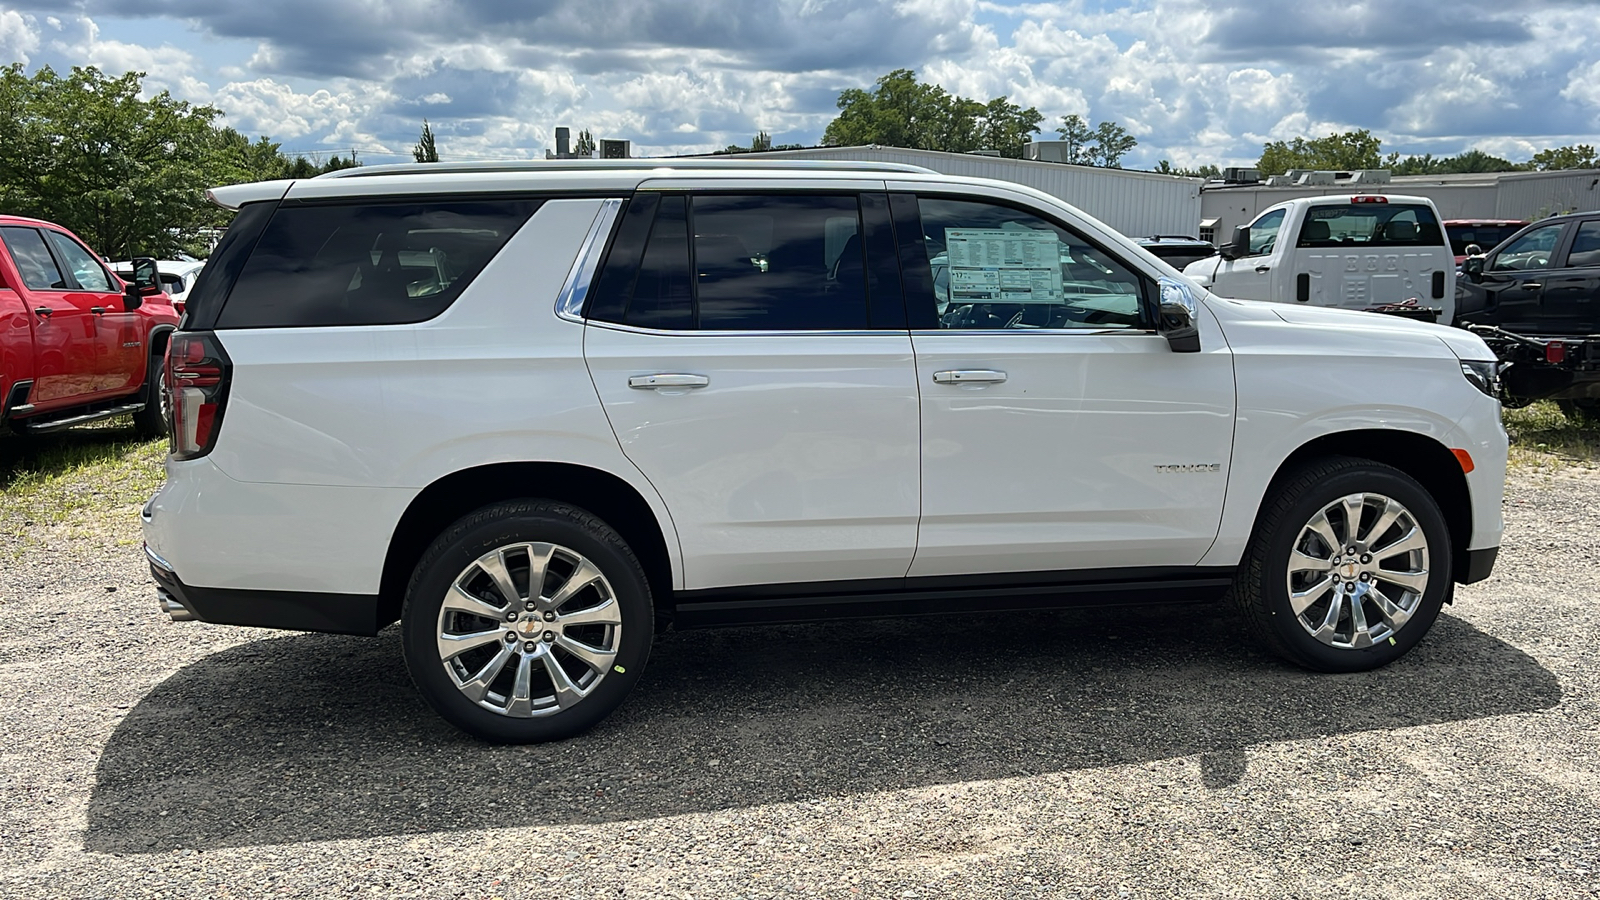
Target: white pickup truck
[(1376, 252)]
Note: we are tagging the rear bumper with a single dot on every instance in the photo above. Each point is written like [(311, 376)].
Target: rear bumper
[(290, 610)]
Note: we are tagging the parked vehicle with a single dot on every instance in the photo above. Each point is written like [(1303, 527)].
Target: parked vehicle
[(177, 277), (1536, 300), (1475, 237), (1380, 253), (77, 344), (1177, 251), (537, 412)]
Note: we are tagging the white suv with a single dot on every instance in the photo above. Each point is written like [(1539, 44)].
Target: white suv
[(537, 413)]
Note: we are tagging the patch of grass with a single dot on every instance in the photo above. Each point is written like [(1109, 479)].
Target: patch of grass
[(75, 476), (1544, 438)]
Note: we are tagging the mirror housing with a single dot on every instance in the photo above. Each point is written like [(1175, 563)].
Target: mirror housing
[(1238, 245), (1175, 318), (1472, 265), (146, 282)]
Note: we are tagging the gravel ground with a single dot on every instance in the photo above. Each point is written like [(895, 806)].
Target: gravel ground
[(1103, 753)]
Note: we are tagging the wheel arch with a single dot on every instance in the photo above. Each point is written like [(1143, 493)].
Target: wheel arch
[(1423, 458), (453, 496)]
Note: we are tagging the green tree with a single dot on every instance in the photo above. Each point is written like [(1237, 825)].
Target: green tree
[(1427, 164), (1166, 167), (1112, 142), (1341, 152), (125, 173), (1580, 156), (425, 150), (1076, 134), (902, 112), (585, 145)]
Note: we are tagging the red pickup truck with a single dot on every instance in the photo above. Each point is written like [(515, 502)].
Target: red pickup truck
[(76, 343)]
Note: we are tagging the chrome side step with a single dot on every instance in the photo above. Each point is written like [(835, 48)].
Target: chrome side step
[(58, 424)]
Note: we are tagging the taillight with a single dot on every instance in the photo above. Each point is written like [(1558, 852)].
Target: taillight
[(197, 378), (1555, 352)]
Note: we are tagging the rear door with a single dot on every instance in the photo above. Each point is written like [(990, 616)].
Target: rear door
[(757, 369), (119, 345), (1571, 294), (65, 366)]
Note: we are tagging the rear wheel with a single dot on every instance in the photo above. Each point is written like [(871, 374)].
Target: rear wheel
[(527, 621), (1580, 412), (1348, 568)]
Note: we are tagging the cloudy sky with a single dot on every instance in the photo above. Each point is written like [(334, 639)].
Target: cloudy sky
[(1195, 82)]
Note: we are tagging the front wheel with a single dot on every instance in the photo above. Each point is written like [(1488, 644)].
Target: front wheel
[(151, 422), (1348, 568), (527, 621)]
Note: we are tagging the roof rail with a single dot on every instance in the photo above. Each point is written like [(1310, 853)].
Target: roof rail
[(581, 165)]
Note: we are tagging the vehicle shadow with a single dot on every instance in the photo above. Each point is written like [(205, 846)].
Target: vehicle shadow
[(45, 455), (320, 737)]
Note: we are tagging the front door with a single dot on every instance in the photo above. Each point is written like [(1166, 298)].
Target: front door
[(1513, 280), (1059, 431), (66, 369), (733, 343), (1250, 277)]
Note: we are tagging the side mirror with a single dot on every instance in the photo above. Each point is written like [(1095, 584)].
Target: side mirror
[(1239, 245), (1175, 318), (1472, 265), (146, 282)]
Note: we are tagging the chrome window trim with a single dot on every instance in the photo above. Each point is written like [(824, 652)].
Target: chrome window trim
[(688, 332), (569, 302)]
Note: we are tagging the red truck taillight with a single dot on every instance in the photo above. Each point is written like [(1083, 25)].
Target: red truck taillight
[(197, 376)]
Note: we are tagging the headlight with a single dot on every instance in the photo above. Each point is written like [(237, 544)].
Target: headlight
[(1484, 375)]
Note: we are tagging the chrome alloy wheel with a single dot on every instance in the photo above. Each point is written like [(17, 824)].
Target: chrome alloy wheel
[(1357, 571), (529, 629)]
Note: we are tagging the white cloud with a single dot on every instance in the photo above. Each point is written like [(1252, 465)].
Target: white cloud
[(18, 37)]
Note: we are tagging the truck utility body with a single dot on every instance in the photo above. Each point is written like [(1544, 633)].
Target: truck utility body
[(1379, 253)]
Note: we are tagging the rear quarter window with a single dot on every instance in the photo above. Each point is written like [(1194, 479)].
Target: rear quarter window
[(368, 263)]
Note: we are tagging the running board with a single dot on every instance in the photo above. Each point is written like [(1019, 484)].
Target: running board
[(58, 424)]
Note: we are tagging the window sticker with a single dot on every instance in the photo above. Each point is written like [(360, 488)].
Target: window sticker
[(1004, 265)]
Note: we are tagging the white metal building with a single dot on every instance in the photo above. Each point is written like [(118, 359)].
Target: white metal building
[(1135, 203), (1489, 195)]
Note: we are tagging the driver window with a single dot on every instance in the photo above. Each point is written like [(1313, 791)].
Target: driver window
[(85, 268), (1264, 233), (998, 267), (1531, 251)]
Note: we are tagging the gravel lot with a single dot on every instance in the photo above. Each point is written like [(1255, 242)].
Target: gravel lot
[(1102, 753)]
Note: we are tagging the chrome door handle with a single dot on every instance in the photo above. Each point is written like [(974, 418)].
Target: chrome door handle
[(667, 380), (1532, 285), (969, 376)]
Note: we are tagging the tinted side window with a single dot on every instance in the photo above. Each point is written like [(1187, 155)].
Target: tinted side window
[(1585, 246), (998, 267), (662, 293), (779, 262), (1531, 251), (368, 264), (33, 259), (90, 275)]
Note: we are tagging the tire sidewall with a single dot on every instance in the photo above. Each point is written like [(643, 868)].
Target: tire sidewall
[(499, 526), (1306, 649)]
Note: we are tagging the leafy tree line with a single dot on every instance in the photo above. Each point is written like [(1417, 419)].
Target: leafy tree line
[(1359, 149), (127, 174)]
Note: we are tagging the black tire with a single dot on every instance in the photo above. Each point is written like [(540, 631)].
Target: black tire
[(1261, 590), (151, 422), (1580, 412), (454, 556)]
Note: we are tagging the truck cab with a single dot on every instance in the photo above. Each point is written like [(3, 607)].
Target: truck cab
[(77, 343), (1362, 252)]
